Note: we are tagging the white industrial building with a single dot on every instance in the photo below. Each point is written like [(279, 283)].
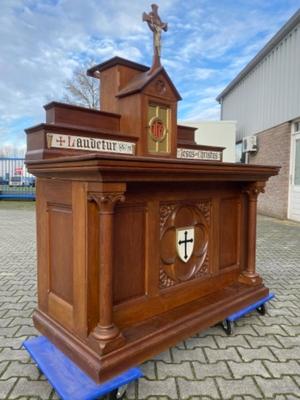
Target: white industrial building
[(264, 99), (216, 133)]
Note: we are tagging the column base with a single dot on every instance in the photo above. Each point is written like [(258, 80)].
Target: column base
[(250, 280), (106, 339)]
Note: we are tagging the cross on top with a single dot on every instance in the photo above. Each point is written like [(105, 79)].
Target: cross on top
[(157, 26)]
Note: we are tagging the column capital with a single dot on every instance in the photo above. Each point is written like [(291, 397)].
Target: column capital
[(106, 201), (253, 189)]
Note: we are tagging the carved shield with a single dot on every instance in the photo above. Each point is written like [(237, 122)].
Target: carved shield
[(185, 238)]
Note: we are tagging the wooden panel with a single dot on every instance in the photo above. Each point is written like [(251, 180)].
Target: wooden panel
[(229, 217), (79, 199), (61, 249), (61, 310), (129, 256), (93, 266), (60, 113)]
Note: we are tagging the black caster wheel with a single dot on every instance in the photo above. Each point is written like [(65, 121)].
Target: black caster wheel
[(228, 327), (117, 394), (262, 309)]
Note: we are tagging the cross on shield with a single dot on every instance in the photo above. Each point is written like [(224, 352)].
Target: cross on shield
[(185, 243)]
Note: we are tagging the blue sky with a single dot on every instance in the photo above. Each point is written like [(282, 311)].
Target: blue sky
[(207, 44)]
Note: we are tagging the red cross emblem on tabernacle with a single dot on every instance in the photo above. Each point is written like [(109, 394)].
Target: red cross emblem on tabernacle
[(61, 141), (157, 129)]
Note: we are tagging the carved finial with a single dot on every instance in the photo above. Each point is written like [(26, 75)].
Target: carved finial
[(156, 26)]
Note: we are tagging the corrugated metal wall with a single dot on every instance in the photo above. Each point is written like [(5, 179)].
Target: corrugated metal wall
[(270, 94)]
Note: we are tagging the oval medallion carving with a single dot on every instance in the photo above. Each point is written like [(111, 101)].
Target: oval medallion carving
[(183, 242)]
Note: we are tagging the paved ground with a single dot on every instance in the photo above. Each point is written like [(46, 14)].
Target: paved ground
[(261, 361)]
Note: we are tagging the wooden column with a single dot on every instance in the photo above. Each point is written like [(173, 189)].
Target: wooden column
[(106, 333), (249, 276)]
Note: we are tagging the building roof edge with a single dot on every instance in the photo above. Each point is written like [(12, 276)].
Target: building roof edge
[(276, 39)]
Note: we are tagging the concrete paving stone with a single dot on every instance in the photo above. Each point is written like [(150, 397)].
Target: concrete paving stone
[(31, 388), (193, 388), (165, 370), (15, 342), (10, 355), (288, 341), (149, 369), (18, 321), (229, 341), (188, 355), (268, 320), (12, 306), (26, 331), (30, 306), (10, 299), (203, 371), (8, 332), (240, 329), (270, 330), (4, 322), (164, 356), (278, 369), (18, 369), (285, 303), (223, 354), (292, 397), (287, 354), (3, 366), (26, 298), (18, 313), (264, 353), (240, 370), (6, 386), (293, 320), (292, 330), (273, 312), (233, 387), (277, 386), (166, 387), (261, 341), (206, 341), (3, 314)]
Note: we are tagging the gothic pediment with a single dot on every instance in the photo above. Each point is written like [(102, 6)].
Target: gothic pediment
[(155, 83)]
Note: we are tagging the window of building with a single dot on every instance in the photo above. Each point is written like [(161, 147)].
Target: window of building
[(297, 154)]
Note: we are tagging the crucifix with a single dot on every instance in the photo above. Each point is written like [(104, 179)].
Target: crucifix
[(156, 26)]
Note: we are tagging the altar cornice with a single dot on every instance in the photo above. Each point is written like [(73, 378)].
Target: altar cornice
[(138, 169)]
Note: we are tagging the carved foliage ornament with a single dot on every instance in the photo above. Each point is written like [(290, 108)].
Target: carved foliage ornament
[(106, 200)]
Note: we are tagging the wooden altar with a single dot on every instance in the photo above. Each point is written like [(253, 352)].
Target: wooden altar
[(143, 236)]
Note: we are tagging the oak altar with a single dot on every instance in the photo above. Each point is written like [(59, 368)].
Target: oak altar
[(143, 237)]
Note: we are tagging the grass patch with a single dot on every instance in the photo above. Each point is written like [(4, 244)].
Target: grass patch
[(17, 205)]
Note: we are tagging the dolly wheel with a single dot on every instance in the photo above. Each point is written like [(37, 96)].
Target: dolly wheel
[(262, 309), (117, 394), (228, 326)]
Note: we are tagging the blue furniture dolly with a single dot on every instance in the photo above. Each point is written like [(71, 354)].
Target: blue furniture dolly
[(69, 381), (259, 306)]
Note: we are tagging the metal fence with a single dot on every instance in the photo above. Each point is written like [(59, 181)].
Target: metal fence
[(16, 183)]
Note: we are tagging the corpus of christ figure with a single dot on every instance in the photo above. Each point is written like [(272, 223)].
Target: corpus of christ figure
[(156, 25)]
